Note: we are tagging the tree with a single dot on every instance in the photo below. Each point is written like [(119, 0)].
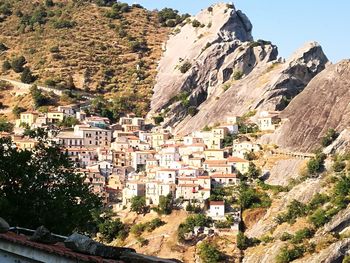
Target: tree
[(138, 204), (6, 65), (111, 229), (253, 171), (243, 242), (196, 23), (316, 164), (5, 126), (38, 97), (208, 253), (27, 76), (69, 122), (49, 3), (43, 188), (165, 204), (17, 64), (18, 110)]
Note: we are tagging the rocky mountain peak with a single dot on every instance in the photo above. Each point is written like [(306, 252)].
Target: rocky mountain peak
[(213, 33)]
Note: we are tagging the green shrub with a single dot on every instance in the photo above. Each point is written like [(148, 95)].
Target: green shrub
[(17, 64), (18, 110), (251, 198), (286, 236), (330, 136), (5, 125), (317, 201), (286, 254), (54, 49), (138, 204), (339, 166), (111, 229), (185, 67), (27, 76), (243, 242), (196, 23), (316, 164), (153, 224), (208, 253), (192, 110), (158, 119), (142, 241), (137, 229), (294, 210), (63, 23), (49, 3), (165, 206), (237, 75), (319, 218), (302, 234), (6, 65)]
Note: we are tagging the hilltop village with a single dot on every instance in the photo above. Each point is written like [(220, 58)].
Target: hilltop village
[(133, 159)]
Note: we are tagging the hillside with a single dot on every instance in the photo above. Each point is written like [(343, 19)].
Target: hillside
[(98, 48)]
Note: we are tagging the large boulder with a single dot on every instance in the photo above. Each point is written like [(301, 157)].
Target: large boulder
[(43, 235), (86, 245)]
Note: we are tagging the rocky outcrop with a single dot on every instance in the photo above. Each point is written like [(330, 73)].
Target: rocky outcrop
[(335, 253), (323, 104), (43, 235), (341, 145), (338, 223), (83, 244), (228, 73), (284, 171)]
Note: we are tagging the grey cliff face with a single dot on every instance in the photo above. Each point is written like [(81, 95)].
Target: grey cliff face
[(229, 73)]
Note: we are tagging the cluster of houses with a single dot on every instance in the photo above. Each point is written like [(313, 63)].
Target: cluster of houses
[(128, 158)]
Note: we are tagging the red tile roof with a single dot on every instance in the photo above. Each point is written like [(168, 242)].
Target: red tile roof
[(224, 176), (217, 203), (236, 160), (57, 249)]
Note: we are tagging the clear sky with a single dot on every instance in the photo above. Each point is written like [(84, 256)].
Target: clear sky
[(286, 23)]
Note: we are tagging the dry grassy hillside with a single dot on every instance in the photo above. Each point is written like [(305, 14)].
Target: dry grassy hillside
[(96, 47)]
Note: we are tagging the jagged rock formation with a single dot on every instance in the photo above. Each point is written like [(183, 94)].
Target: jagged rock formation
[(229, 76), (332, 254), (340, 145), (323, 104)]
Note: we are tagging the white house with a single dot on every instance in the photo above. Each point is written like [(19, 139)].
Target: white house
[(217, 210)]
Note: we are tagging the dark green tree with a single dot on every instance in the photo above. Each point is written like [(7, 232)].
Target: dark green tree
[(6, 65), (41, 187), (5, 125), (138, 204), (27, 76), (165, 204), (208, 253), (17, 64)]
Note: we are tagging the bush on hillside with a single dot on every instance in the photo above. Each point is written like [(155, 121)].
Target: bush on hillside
[(209, 253), (185, 67), (17, 64)]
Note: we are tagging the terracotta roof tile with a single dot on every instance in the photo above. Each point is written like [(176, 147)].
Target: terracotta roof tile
[(58, 249)]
